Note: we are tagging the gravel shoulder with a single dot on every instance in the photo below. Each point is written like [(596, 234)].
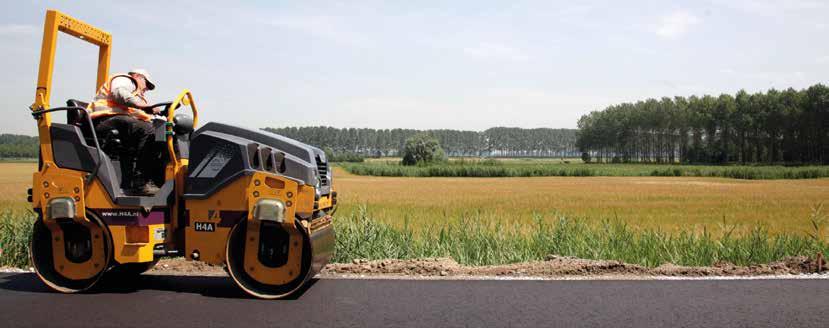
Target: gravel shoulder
[(552, 267), (564, 267)]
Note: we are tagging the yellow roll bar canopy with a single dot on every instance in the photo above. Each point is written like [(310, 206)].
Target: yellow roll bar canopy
[(60, 22)]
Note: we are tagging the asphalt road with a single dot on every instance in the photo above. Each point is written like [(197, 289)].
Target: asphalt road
[(174, 301)]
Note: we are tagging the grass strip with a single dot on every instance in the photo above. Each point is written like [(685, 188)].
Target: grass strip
[(582, 170), (15, 235), (470, 242)]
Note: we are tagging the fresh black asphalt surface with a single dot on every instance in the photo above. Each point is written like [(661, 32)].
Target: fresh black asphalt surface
[(180, 301)]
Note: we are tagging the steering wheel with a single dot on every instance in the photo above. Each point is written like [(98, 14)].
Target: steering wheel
[(163, 112)]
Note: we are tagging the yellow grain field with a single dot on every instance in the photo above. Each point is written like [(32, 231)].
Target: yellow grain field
[(15, 178), (668, 203)]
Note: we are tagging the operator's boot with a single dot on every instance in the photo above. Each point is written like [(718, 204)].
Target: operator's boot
[(149, 188), (143, 186)]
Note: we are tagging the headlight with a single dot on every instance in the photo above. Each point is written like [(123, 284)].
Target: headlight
[(269, 210), (61, 207)]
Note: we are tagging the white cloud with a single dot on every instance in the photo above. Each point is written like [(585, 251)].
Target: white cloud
[(323, 27), (771, 7), (17, 30), (478, 110), (822, 60), (574, 13), (488, 50), (676, 24)]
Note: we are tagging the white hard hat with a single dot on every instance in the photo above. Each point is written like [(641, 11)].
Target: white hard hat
[(150, 84)]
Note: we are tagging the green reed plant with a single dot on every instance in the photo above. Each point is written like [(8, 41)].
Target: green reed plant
[(470, 242)]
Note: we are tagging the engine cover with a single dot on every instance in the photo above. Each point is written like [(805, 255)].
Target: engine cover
[(220, 153)]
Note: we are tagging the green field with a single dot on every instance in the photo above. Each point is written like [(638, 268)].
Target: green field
[(646, 220), (571, 167)]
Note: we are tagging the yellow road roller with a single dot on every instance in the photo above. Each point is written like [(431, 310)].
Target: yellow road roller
[(258, 203)]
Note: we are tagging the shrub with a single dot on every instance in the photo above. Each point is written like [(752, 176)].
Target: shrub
[(422, 149)]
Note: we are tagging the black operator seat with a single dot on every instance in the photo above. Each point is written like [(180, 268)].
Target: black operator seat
[(73, 117), (109, 140)]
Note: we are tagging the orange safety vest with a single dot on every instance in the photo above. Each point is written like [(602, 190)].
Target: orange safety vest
[(103, 105)]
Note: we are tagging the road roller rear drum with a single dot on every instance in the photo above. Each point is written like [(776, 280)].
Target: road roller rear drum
[(82, 262)]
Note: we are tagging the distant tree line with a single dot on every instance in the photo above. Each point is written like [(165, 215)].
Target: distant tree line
[(18, 146), (496, 142), (790, 126), (333, 156)]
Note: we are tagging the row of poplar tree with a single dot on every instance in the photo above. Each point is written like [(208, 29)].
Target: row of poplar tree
[(498, 142), (790, 127)]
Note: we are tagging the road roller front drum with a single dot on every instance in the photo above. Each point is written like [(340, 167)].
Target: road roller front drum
[(273, 243), (239, 265)]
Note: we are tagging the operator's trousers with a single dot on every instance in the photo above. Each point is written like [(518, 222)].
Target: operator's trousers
[(137, 141)]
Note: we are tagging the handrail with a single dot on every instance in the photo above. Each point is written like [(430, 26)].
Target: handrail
[(180, 99)]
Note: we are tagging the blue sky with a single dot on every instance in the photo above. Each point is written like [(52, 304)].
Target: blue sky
[(418, 64)]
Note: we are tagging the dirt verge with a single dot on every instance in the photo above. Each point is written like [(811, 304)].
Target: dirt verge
[(553, 266), (559, 266)]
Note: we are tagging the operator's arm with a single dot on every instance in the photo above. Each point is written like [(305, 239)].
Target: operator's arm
[(122, 93)]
